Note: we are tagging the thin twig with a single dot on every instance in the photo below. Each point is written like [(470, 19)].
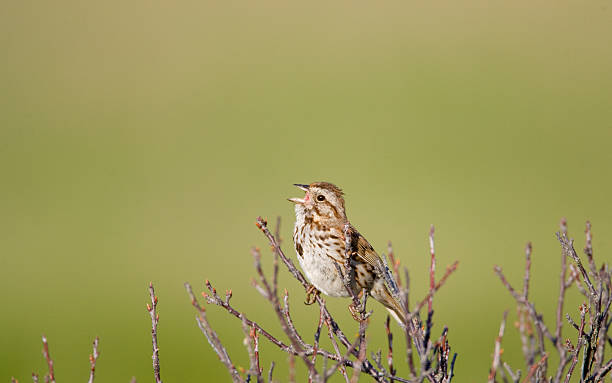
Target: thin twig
[(93, 358), (250, 334), (152, 309), (390, 346), (588, 248), (449, 270), (50, 376), (533, 368), (568, 247), (212, 337), (527, 271), (604, 370), (432, 268), (337, 350), (498, 350), (316, 343), (578, 344), (270, 372), (535, 316)]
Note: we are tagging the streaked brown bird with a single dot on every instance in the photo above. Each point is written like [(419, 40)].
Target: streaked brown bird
[(320, 244)]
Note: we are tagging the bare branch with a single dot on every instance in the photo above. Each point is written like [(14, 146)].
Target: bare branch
[(583, 310), (270, 372), (212, 337), (152, 309), (390, 346), (497, 352), (535, 367), (93, 358), (50, 376), (432, 268), (527, 271), (449, 270), (568, 248)]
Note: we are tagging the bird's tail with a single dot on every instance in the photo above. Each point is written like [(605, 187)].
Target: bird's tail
[(381, 293)]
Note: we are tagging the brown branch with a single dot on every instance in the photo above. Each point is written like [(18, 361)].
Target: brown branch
[(535, 316), (50, 376), (252, 346), (343, 360), (337, 350), (270, 371), (390, 346), (290, 321), (515, 376), (275, 264), (527, 271), (583, 310), (603, 371), (316, 343), (93, 358), (563, 360), (291, 368), (533, 368), (498, 351), (588, 248), (273, 298), (212, 337), (449, 270), (568, 247), (432, 268), (152, 309), (394, 263)]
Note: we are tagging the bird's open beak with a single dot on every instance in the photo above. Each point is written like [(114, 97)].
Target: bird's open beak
[(301, 201), (302, 186)]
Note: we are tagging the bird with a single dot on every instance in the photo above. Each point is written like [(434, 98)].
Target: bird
[(320, 244)]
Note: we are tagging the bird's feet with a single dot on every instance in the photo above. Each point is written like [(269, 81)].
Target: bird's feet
[(311, 295), (358, 311), (355, 311)]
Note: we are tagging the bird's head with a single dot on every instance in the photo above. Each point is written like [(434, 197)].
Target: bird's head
[(323, 201)]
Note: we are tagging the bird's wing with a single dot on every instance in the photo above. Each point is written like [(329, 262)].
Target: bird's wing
[(366, 253)]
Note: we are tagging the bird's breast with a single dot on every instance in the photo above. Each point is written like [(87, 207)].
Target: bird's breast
[(318, 253)]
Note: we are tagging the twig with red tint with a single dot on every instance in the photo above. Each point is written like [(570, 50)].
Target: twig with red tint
[(432, 268), (533, 368), (152, 309), (449, 270), (535, 316), (316, 341), (583, 311), (588, 248), (563, 359), (50, 376), (251, 342), (93, 358), (568, 247), (390, 346), (498, 351), (527, 271), (212, 337), (394, 263)]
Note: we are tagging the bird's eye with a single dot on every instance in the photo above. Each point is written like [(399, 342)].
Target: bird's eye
[(320, 197)]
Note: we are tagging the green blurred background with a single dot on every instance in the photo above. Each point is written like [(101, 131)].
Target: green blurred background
[(139, 140)]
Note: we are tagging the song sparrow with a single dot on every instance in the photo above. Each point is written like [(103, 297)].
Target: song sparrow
[(320, 245)]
